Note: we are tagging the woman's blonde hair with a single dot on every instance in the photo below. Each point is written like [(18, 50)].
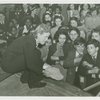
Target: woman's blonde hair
[(41, 29)]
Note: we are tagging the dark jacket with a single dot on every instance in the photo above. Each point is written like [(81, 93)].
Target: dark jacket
[(69, 64), (22, 55), (83, 70), (52, 50)]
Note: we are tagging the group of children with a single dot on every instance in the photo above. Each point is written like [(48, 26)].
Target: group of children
[(77, 59), (72, 47)]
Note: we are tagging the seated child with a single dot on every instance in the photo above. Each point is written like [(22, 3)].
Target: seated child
[(45, 49), (56, 53), (95, 35), (73, 60), (90, 65), (73, 34)]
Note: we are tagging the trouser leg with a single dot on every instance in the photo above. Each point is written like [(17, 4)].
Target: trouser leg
[(4, 75), (70, 75)]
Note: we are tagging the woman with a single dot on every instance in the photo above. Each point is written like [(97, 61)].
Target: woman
[(23, 55)]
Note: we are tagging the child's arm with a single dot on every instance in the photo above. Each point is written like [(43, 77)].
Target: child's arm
[(88, 66), (95, 70), (85, 63)]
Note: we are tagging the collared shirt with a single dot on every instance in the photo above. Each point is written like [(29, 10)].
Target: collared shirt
[(95, 56)]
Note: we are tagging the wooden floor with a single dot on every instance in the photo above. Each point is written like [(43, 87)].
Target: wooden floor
[(13, 87)]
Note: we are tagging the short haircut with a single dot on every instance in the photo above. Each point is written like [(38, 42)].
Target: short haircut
[(58, 17), (95, 31), (74, 29), (94, 42), (75, 19), (80, 41)]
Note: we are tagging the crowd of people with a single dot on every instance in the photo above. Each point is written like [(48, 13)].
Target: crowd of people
[(72, 46)]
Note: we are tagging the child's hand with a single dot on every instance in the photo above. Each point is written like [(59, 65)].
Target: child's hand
[(95, 70), (61, 62), (85, 63)]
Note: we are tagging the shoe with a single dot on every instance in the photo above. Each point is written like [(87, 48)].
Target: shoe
[(24, 77), (37, 85)]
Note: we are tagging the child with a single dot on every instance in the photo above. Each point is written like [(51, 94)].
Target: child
[(74, 22), (57, 53), (12, 35), (58, 23), (73, 34), (90, 65), (27, 27), (95, 34), (45, 49), (73, 60), (85, 8), (72, 11)]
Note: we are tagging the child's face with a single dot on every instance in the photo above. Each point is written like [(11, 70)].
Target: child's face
[(50, 10), (73, 35), (57, 11), (62, 39), (72, 6), (58, 22), (2, 17), (85, 6), (28, 22), (47, 18), (14, 31), (34, 12), (92, 49), (94, 13), (80, 48), (74, 23), (96, 36), (92, 5)]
